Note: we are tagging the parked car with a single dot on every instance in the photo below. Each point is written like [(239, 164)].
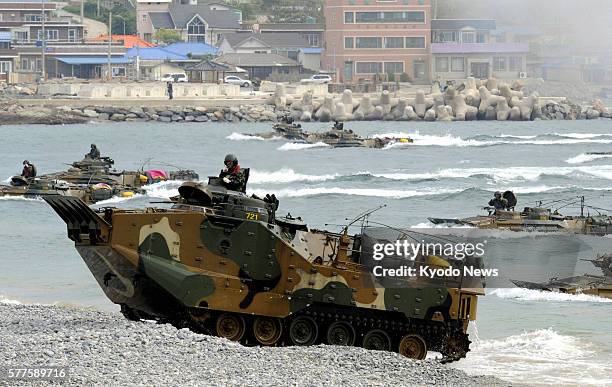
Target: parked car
[(318, 78), (174, 77), (235, 80)]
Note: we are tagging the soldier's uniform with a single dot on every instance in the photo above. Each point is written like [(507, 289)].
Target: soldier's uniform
[(233, 177), (498, 203), (94, 153)]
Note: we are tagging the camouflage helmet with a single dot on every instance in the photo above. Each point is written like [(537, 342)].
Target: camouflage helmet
[(230, 158), (497, 193)]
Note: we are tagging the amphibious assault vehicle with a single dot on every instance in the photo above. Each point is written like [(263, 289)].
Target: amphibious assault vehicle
[(542, 219), (91, 180), (222, 263), (336, 137), (597, 285)]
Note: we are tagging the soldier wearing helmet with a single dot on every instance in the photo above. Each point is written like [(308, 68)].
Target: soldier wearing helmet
[(232, 176), (29, 170), (498, 202), (94, 152)]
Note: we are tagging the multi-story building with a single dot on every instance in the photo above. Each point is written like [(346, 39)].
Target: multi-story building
[(461, 48), (197, 21), (368, 37)]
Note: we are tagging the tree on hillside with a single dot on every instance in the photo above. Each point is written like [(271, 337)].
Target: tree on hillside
[(167, 36)]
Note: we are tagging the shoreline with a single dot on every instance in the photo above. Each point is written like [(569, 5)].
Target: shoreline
[(106, 349), (57, 112)]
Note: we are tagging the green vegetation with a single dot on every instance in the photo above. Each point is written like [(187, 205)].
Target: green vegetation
[(167, 36), (282, 11), (91, 12)]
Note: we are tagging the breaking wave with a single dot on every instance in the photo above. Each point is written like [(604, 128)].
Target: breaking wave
[(8, 301), (244, 137), (291, 146), (585, 158), (285, 175), (542, 356), (372, 192), (538, 295), (23, 198), (491, 140)]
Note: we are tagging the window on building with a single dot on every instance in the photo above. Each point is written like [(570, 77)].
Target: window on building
[(481, 37), (499, 63), (5, 45), (118, 71), (32, 17), (390, 17), (368, 67), (49, 35), (291, 54), (38, 64), (313, 39), (442, 64), (349, 42), (394, 42), (25, 64), (148, 37), (515, 63), (457, 63), (468, 37), (349, 17), (394, 67), (415, 42), (144, 17), (368, 42), (21, 36), (445, 36), (72, 35), (5, 67), (196, 31)]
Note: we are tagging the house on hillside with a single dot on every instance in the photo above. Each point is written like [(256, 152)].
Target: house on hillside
[(197, 21)]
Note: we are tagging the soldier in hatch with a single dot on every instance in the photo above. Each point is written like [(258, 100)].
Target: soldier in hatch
[(29, 170), (232, 176), (94, 152), (498, 202)]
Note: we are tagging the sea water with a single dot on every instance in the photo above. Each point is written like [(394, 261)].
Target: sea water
[(451, 170)]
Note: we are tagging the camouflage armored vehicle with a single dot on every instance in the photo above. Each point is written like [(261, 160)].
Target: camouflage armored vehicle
[(336, 137), (41, 187), (539, 218), (222, 263), (596, 285)]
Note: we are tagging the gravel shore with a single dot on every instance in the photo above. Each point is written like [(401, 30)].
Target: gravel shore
[(103, 348)]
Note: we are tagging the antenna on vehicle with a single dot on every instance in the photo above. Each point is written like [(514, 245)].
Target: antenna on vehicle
[(364, 217)]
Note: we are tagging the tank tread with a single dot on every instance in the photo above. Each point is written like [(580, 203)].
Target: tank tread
[(446, 338)]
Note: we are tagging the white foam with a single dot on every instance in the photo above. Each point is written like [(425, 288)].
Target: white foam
[(23, 198), (383, 193), (284, 175), (7, 301), (291, 146), (451, 140), (118, 199), (164, 189), (585, 158), (444, 225), (542, 356), (538, 295), (244, 137)]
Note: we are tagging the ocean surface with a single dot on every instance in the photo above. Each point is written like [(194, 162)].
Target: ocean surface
[(451, 170)]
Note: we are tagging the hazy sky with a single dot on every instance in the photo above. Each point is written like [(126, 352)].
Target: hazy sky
[(588, 22)]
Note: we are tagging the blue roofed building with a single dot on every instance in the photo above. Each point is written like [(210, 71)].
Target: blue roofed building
[(153, 62), (192, 50)]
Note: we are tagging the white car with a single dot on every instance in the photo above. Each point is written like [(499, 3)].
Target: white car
[(318, 78), (238, 81), (174, 77)]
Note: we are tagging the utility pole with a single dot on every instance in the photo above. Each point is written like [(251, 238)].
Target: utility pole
[(82, 11), (44, 43), (110, 40)]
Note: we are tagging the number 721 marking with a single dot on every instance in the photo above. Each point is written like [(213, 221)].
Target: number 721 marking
[(252, 216)]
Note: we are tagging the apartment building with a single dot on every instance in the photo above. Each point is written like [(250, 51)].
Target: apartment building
[(368, 37), (466, 47)]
